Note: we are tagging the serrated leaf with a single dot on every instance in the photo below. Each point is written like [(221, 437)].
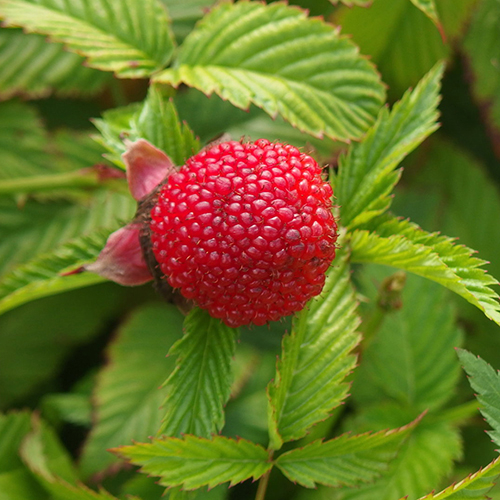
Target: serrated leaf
[(200, 385), (486, 383), (401, 39), (366, 174), (473, 487), (482, 53), (23, 142), (422, 337), (37, 229), (316, 357), (404, 245), (211, 116), (428, 7), (127, 396), (129, 38), (346, 460), (31, 67), (422, 461), (156, 120), (269, 55), (193, 462), (42, 276)]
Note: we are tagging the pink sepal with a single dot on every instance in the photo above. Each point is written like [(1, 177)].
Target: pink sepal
[(121, 260), (147, 166)]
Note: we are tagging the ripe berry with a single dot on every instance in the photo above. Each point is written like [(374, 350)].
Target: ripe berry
[(245, 230)]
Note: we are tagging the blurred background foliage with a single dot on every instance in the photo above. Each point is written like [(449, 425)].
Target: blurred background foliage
[(62, 354)]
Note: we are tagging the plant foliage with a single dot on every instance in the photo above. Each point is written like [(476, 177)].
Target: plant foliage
[(359, 396)]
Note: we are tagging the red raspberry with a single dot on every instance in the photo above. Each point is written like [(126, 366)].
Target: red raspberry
[(246, 231)]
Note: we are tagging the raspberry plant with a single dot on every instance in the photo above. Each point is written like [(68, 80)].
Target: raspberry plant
[(113, 392)]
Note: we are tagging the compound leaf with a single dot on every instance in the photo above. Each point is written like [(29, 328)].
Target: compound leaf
[(193, 462), (316, 357), (346, 460), (199, 387), (127, 397), (366, 174), (127, 37), (269, 55), (404, 245)]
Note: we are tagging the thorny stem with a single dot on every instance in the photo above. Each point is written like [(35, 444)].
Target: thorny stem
[(264, 481)]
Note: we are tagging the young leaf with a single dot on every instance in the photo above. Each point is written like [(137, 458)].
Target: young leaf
[(127, 37), (346, 460), (316, 358), (156, 120), (269, 55), (193, 462), (473, 487), (486, 383), (366, 174), (127, 396), (422, 337), (31, 67), (404, 245), (199, 387)]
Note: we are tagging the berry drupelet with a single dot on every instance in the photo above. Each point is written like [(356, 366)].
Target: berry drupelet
[(245, 230)]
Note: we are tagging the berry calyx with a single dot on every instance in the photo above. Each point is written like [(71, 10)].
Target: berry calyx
[(245, 230)]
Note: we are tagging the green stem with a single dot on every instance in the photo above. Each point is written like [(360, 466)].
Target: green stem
[(67, 180), (264, 480), (262, 488)]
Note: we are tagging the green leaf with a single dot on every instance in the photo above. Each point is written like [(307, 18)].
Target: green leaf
[(127, 37), (23, 142), (37, 338), (51, 465), (37, 229), (185, 14), (193, 462), (346, 460), (31, 67), (366, 174), (199, 387), (421, 464), (316, 358), (42, 276), (473, 487), (350, 3), (422, 338), (269, 55), (127, 396), (404, 245), (486, 384), (156, 120), (400, 38), (16, 482), (482, 52), (428, 7)]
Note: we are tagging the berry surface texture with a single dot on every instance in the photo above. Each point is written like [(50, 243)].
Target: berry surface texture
[(246, 230)]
